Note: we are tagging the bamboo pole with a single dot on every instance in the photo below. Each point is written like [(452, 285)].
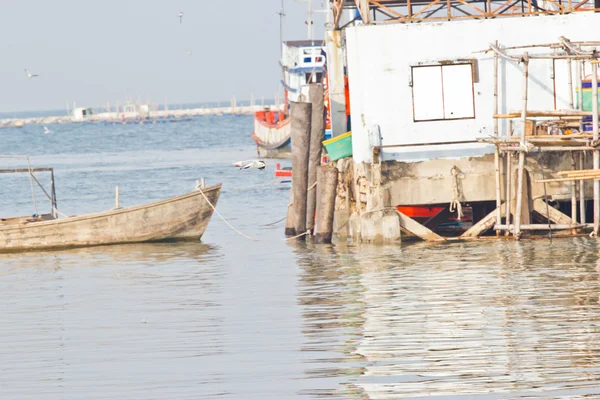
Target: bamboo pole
[(541, 113), (570, 76), (581, 193), (520, 177), (496, 148), (508, 186), (541, 227), (596, 154), (576, 172), (573, 192), (576, 178), (580, 92), (582, 216)]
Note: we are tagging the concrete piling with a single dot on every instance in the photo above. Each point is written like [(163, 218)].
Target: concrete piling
[(301, 126), (327, 177), (317, 135)]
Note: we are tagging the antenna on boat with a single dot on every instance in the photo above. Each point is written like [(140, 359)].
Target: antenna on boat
[(281, 14)]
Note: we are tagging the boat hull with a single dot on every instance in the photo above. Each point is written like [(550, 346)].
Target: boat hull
[(180, 218), (273, 140)]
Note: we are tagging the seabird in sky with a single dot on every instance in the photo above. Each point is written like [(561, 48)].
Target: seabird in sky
[(180, 15), (29, 74)]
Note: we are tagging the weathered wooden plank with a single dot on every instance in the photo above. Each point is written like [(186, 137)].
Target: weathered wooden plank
[(484, 224), (551, 213), (419, 230)]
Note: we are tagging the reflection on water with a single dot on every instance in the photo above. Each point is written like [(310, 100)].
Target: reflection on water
[(474, 320)]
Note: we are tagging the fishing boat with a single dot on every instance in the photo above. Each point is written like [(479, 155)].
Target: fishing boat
[(302, 63), (178, 218)]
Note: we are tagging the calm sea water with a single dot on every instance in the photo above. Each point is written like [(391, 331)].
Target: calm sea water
[(237, 319)]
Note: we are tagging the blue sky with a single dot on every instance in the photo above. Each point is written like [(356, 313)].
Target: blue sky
[(92, 52)]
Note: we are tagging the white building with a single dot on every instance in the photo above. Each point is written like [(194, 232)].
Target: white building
[(431, 82)]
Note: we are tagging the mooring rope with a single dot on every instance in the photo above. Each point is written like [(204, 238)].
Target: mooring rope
[(455, 203), (239, 232), (223, 218), (297, 236)]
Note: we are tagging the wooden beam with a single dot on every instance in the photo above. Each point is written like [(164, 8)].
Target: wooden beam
[(551, 213), (389, 10), (415, 228), (364, 10), (484, 224)]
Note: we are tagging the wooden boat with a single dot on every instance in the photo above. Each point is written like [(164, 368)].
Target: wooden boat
[(179, 218), (272, 134)]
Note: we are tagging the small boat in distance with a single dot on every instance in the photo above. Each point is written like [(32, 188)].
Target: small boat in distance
[(302, 63), (178, 218)]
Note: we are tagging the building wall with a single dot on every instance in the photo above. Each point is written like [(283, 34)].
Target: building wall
[(383, 62)]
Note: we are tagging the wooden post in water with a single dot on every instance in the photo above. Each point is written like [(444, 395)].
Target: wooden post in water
[(327, 177), (317, 134), (290, 220), (301, 127)]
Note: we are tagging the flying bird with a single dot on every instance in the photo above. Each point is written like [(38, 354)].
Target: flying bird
[(250, 164), (29, 74), (180, 15), (46, 130)]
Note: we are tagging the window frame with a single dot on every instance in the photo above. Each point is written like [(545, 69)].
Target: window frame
[(441, 65)]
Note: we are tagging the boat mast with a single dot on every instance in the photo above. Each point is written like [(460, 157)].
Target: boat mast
[(309, 22), (281, 14)]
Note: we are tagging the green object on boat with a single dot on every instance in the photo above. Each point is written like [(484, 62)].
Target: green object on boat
[(339, 146)]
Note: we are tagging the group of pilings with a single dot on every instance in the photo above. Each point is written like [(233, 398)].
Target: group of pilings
[(312, 199), (573, 52)]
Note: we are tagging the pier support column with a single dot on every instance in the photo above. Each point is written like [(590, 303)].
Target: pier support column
[(317, 134), (327, 178), (301, 126)]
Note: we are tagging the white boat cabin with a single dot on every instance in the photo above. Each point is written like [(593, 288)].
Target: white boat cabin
[(302, 62)]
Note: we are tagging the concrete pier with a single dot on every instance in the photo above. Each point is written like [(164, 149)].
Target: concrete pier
[(127, 117)]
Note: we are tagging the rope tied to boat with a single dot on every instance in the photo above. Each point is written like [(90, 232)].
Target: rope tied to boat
[(455, 203), (199, 188)]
